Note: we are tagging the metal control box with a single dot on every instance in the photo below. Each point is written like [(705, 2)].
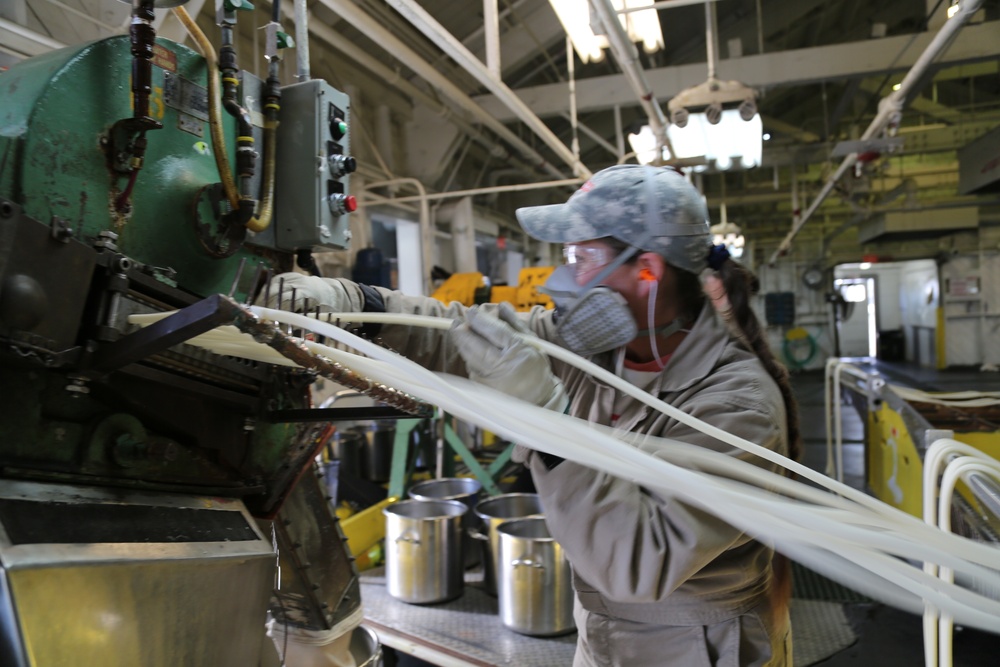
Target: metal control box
[(312, 198)]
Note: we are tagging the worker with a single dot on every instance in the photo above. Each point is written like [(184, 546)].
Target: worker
[(657, 581)]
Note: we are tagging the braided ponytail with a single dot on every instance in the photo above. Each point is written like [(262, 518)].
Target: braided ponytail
[(740, 284)]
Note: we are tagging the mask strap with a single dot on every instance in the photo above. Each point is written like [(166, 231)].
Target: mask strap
[(651, 207), (666, 330), (649, 322)]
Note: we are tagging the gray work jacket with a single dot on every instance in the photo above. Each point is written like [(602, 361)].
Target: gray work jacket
[(658, 581)]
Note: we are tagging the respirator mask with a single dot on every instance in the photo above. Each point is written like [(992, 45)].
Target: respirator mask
[(591, 318)]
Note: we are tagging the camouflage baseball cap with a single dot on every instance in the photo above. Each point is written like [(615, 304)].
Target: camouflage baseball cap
[(613, 203)]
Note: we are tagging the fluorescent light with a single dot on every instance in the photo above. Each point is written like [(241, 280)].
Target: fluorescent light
[(953, 8), (731, 142), (864, 266), (897, 86), (641, 25), (575, 18), (643, 144), (767, 136)]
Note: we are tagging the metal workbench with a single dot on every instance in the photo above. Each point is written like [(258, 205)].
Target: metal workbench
[(466, 631)]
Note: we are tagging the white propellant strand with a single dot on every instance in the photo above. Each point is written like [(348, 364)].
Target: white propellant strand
[(909, 586), (853, 539)]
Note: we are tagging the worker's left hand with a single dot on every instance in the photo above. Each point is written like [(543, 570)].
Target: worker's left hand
[(496, 356)]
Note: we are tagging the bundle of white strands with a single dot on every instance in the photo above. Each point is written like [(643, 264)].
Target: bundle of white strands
[(840, 532)]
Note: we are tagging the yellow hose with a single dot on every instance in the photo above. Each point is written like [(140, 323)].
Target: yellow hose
[(214, 108), (263, 220)]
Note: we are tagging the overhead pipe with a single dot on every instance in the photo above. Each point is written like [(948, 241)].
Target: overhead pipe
[(24, 41), (384, 38), (491, 28), (427, 231), (889, 111), (571, 71), (86, 17), (627, 57), (302, 72), (712, 45), (665, 4), (434, 31), (516, 187)]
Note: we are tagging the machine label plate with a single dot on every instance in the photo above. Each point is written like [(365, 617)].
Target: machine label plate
[(185, 96), (191, 124), (164, 57)]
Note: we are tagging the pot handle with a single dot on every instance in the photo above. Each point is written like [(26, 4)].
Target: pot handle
[(409, 537), (476, 535), (527, 562)]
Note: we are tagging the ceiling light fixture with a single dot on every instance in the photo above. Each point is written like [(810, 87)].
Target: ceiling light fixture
[(643, 142), (716, 119), (728, 234), (638, 18)]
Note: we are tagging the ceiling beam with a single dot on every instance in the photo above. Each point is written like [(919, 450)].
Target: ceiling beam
[(24, 42), (769, 70)]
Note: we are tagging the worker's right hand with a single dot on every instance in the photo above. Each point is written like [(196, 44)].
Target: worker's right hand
[(300, 293), (496, 355)]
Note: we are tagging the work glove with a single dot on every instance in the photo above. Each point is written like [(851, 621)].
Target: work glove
[(495, 356), (300, 293)]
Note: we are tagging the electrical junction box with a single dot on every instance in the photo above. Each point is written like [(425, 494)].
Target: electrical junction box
[(779, 308), (312, 199)]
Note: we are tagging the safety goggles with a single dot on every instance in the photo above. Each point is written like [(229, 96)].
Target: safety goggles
[(585, 259)]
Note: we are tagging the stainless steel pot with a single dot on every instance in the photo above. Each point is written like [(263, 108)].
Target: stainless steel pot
[(465, 490), (493, 512), (377, 461), (423, 550), (348, 447), (365, 647), (534, 588)]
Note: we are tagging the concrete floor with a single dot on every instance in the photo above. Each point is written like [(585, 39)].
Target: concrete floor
[(887, 637)]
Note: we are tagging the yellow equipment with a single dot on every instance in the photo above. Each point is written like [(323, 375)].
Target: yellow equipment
[(527, 289), (471, 288), (466, 288), (901, 424)]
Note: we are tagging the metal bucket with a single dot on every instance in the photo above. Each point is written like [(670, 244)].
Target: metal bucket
[(423, 550), (348, 449), (493, 512), (535, 588), (377, 461), (465, 490), (365, 647)]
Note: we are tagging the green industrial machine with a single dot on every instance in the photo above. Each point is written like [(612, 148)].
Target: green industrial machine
[(146, 484)]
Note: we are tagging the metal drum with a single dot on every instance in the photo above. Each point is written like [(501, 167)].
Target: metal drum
[(535, 587), (493, 512), (423, 554), (348, 448), (465, 490), (377, 461)]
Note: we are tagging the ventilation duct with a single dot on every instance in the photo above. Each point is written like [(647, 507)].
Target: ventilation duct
[(894, 226), (979, 165)]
